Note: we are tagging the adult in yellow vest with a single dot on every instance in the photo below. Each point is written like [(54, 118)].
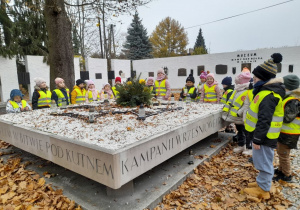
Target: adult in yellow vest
[(210, 93), (118, 82), (227, 88), (91, 94), (106, 92), (189, 90), (78, 93), (41, 97), (264, 119), (236, 108), (162, 86), (290, 131), (16, 103), (61, 93)]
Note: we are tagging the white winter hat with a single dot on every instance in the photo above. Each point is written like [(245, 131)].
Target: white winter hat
[(38, 81)]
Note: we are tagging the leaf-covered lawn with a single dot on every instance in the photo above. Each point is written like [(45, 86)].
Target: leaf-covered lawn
[(219, 184), (22, 189)]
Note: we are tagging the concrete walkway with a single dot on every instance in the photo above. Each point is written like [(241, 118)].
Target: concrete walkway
[(149, 188)]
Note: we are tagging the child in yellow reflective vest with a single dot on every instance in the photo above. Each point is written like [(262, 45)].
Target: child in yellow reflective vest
[(210, 93), (228, 89), (203, 77), (189, 89), (106, 92), (41, 97), (78, 92), (264, 120), (61, 93), (150, 83), (118, 82), (236, 107), (162, 86), (16, 102), (91, 94), (290, 131)]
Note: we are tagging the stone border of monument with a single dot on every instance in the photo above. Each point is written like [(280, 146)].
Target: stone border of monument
[(113, 168)]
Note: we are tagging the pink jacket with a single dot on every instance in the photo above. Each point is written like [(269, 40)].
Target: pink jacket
[(217, 90)]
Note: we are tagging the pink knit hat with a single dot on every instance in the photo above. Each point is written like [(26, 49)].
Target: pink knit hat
[(160, 71), (58, 80), (242, 78), (203, 75), (211, 75), (150, 78), (89, 82)]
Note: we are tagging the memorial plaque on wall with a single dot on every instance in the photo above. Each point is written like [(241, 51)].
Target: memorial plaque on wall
[(278, 67), (199, 69), (221, 69), (182, 72), (98, 76), (84, 75), (233, 70), (291, 68), (151, 74), (111, 74)]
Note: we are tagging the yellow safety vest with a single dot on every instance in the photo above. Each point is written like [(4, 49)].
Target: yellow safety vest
[(237, 104), (224, 97), (111, 96), (44, 99), (116, 93), (191, 91), (15, 105), (199, 88), (160, 89), (294, 126), (210, 94), (90, 95), (61, 96), (80, 98), (252, 115)]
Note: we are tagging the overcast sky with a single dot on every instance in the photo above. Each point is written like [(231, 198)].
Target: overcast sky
[(273, 27)]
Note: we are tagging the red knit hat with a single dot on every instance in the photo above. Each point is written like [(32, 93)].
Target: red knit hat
[(118, 79)]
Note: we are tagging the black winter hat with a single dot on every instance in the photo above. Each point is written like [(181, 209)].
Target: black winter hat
[(79, 81), (227, 81), (268, 69), (190, 78)]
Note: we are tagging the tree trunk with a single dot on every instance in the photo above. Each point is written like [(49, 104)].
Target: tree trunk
[(61, 56)]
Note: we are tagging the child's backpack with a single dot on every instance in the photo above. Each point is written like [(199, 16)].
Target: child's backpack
[(291, 111)]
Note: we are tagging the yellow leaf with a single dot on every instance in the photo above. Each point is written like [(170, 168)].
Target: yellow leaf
[(41, 182), (3, 189), (7, 196), (23, 184)]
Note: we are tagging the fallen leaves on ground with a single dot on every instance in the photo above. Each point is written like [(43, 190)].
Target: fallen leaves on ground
[(22, 189), (219, 184)]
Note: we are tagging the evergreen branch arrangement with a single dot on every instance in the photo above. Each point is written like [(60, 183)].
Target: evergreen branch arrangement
[(133, 93)]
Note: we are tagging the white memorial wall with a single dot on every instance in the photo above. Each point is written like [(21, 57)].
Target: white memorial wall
[(36, 67), (8, 77)]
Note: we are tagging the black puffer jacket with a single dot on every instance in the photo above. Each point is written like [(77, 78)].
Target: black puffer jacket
[(291, 111), (266, 111)]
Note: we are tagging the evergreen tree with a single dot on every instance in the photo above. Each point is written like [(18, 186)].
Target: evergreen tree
[(200, 47), (137, 42), (25, 31)]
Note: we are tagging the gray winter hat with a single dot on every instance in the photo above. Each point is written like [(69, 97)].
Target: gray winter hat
[(291, 82)]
